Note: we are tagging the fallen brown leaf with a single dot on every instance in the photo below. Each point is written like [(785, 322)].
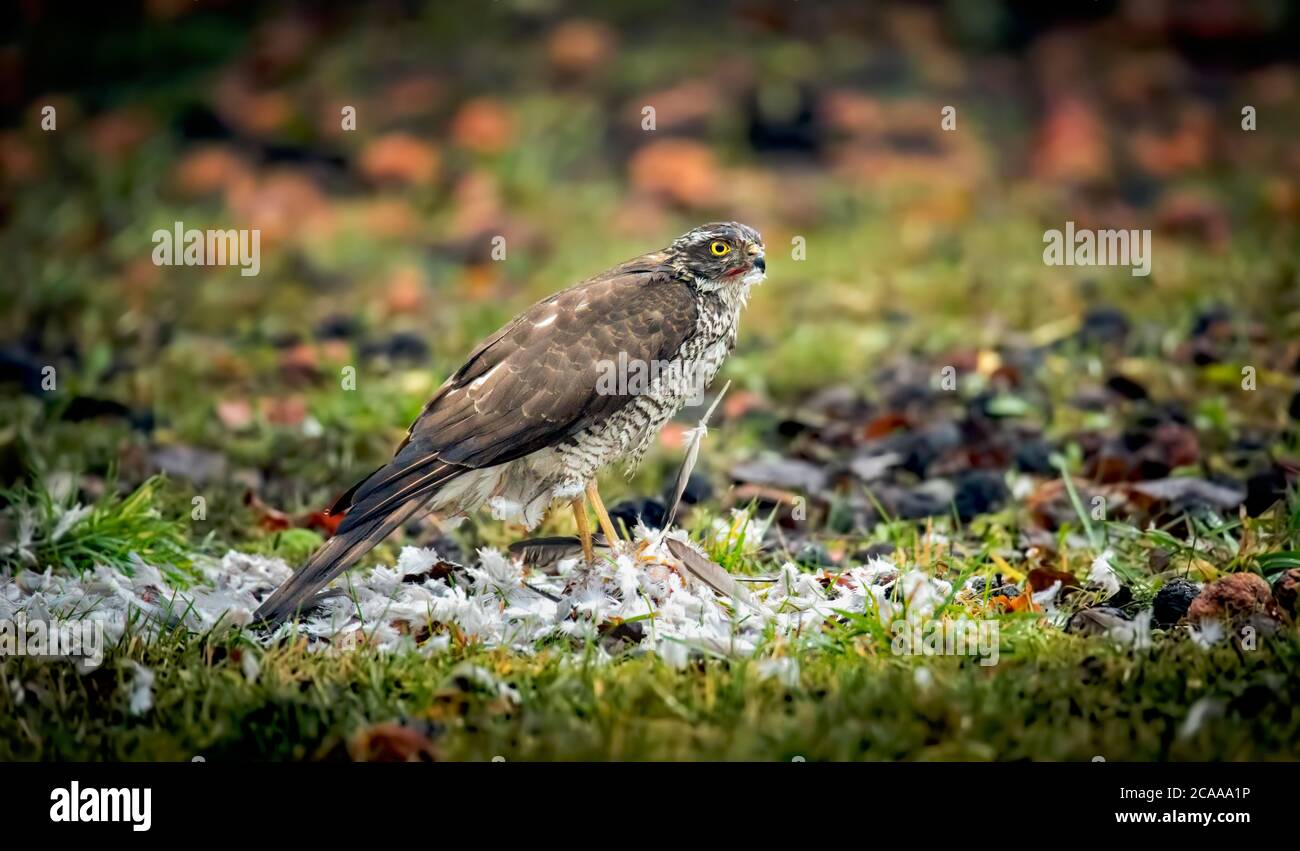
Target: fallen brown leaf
[(391, 742)]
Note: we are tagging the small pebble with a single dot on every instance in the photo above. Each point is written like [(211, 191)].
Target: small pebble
[(1172, 601)]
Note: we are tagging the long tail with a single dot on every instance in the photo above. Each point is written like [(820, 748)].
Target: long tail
[(336, 556)]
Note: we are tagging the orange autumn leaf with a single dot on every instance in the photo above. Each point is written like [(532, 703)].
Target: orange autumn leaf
[(1023, 603), (324, 521), (483, 125), (400, 158), (885, 424), (391, 742), (1042, 578), (579, 46), (207, 170), (679, 170)]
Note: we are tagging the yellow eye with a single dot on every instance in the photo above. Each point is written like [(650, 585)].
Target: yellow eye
[(719, 248)]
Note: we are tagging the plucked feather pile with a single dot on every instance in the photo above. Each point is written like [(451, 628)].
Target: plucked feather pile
[(646, 599)]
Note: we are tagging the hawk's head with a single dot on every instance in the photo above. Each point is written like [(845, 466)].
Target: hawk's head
[(720, 253)]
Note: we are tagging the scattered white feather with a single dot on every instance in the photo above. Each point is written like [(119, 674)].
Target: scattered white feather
[(1045, 600), (250, 665), (1103, 575), (139, 688), (1208, 632), (497, 602), (1202, 711), (784, 670), (1135, 633), (68, 518), (740, 528), (416, 561)]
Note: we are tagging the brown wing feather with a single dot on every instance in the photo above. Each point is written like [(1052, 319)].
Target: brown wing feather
[(535, 382), (532, 384)]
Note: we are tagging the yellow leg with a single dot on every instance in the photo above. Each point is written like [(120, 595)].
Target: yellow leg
[(602, 516), (584, 529)]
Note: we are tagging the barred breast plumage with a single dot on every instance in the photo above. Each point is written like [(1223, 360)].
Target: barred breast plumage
[(628, 433), (522, 491)]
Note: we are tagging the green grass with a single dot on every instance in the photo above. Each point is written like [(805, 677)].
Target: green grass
[(1051, 697), (47, 530)]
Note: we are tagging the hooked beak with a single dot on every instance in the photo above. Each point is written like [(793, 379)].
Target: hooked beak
[(757, 265), (757, 259)]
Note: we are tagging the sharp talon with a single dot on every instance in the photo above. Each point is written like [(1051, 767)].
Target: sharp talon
[(584, 529)]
